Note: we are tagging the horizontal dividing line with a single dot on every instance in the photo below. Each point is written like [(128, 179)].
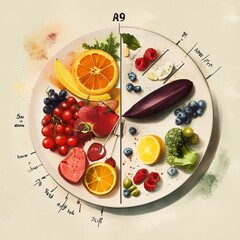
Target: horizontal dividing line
[(156, 61)]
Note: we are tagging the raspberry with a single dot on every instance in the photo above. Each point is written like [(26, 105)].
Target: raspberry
[(141, 64), (154, 177), (140, 176), (150, 54), (149, 185)]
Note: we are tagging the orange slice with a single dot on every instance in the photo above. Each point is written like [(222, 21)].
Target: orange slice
[(100, 178), (150, 149), (96, 72)]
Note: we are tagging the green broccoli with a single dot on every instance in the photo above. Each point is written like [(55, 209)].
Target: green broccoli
[(178, 153)]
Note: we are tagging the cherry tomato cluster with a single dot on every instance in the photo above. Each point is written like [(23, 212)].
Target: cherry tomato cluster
[(58, 126)]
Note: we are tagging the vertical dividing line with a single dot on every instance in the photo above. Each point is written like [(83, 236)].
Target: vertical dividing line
[(120, 79)]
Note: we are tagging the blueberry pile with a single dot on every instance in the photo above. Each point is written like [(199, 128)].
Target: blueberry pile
[(53, 100), (130, 87), (193, 109)]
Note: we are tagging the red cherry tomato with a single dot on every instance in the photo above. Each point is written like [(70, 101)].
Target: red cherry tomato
[(57, 112), (65, 105), (48, 143), (46, 119), (59, 129), (63, 150), (67, 115), (60, 139), (71, 141), (68, 129), (71, 100), (47, 131)]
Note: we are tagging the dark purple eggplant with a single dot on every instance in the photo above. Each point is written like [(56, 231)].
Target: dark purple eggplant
[(160, 99)]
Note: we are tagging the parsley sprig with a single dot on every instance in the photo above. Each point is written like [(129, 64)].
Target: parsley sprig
[(110, 46)]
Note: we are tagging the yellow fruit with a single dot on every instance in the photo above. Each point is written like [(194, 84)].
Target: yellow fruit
[(67, 80), (95, 71), (150, 149), (100, 178)]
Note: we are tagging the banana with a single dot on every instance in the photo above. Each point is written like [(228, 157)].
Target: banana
[(68, 81)]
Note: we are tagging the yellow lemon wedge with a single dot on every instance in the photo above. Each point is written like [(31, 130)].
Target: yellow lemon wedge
[(68, 81), (150, 149)]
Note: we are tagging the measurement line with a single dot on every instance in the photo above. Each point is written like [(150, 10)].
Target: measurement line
[(156, 61), (32, 153), (120, 78), (191, 49), (213, 73), (173, 73)]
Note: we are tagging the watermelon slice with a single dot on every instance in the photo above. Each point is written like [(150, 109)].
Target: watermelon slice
[(74, 165)]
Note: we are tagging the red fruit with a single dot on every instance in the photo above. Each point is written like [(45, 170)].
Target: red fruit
[(150, 54), (57, 112), (47, 131), (111, 162), (74, 108), (60, 139), (67, 115), (63, 149), (59, 129), (46, 119), (81, 104), (140, 176), (141, 64), (74, 165), (154, 177), (98, 119), (68, 129), (149, 185), (94, 152), (65, 105), (107, 120), (48, 143), (71, 141), (71, 100)]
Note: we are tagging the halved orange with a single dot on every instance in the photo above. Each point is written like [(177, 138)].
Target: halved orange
[(96, 71), (100, 178)]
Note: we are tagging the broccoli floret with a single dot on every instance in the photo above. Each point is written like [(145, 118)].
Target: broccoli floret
[(178, 152)]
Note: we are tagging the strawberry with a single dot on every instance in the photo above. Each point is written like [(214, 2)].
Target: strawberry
[(149, 185), (74, 165), (98, 119), (150, 54), (140, 176), (154, 177), (141, 64)]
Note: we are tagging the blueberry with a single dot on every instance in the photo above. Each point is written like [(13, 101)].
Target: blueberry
[(172, 171), (200, 112), (178, 121), (193, 104), (188, 110), (188, 120), (177, 111), (129, 87), (128, 151), (137, 89), (132, 76), (50, 91), (132, 130), (194, 114), (47, 109), (47, 101), (126, 193), (54, 96), (182, 115), (202, 104), (62, 94)]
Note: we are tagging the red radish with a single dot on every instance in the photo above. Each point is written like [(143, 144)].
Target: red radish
[(74, 165)]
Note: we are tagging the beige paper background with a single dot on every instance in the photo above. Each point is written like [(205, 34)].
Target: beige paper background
[(25, 212)]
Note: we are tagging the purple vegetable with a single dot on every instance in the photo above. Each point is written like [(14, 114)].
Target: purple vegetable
[(161, 99)]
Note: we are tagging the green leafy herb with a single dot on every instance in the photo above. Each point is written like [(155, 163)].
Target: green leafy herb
[(131, 41), (110, 46)]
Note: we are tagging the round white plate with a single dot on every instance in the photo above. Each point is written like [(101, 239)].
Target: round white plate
[(158, 124)]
